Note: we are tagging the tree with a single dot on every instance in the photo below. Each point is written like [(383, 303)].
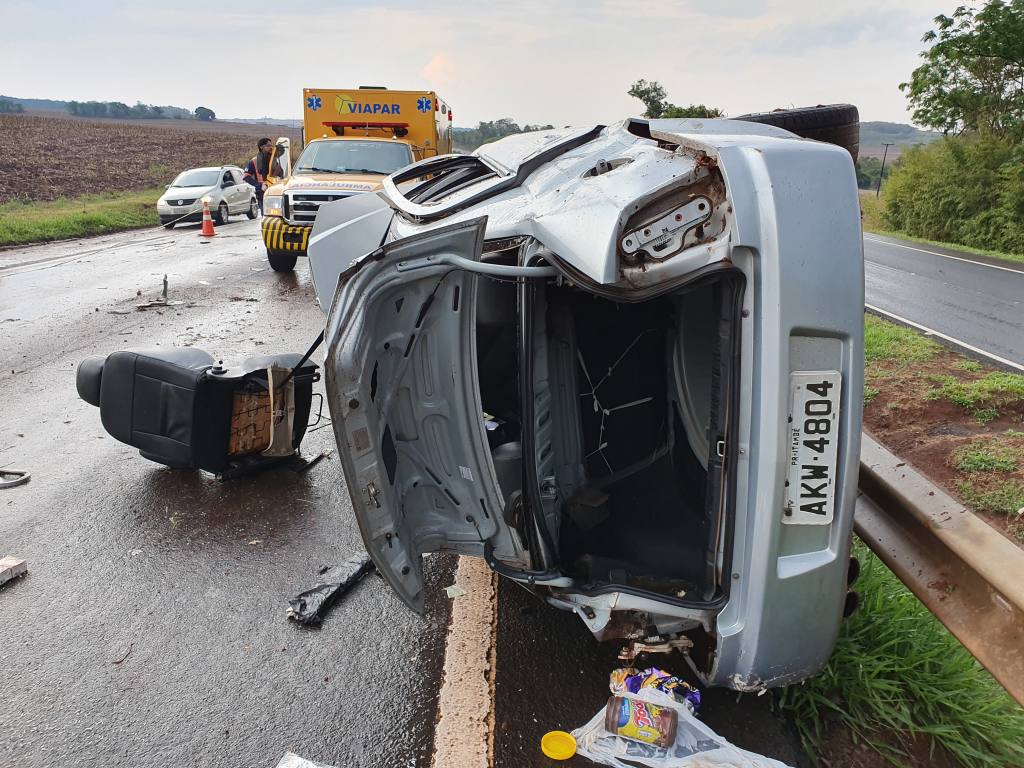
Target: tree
[(203, 113), (492, 130), (8, 107), (653, 96), (693, 110), (972, 79)]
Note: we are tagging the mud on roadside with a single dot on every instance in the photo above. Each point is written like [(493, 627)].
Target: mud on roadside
[(941, 416)]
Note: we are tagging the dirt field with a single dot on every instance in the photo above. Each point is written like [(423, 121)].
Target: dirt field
[(46, 158), (957, 421)]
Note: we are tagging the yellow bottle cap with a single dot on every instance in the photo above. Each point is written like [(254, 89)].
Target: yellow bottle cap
[(558, 745)]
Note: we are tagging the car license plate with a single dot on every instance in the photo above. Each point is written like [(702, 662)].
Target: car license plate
[(813, 444)]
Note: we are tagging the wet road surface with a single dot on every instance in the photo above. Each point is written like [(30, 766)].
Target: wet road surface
[(151, 629), (976, 300)]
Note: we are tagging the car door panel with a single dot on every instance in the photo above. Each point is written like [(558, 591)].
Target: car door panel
[(403, 393)]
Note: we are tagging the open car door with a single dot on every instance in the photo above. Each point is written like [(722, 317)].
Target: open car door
[(281, 166), (401, 377)]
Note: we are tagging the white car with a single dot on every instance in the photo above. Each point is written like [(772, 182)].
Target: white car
[(224, 187)]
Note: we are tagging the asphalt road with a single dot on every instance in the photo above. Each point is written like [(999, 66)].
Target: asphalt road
[(975, 300), (151, 628)]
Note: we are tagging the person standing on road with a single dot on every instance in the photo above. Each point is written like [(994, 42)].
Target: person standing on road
[(259, 168)]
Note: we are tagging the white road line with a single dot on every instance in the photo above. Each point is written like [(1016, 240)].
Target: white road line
[(946, 255), (464, 736), (958, 342)]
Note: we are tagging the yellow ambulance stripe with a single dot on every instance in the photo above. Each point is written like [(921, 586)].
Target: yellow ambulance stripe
[(274, 231)]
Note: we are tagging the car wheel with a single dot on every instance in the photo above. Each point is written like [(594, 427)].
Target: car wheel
[(833, 123), (282, 261), (222, 213), (254, 209), (169, 225)]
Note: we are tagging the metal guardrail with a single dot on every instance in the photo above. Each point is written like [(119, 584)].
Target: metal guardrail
[(967, 574)]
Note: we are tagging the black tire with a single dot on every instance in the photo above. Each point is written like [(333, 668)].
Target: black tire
[(837, 124), (254, 209), (169, 225), (223, 215), (282, 261)]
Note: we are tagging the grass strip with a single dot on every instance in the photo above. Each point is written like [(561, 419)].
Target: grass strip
[(23, 223), (896, 671), (887, 341)]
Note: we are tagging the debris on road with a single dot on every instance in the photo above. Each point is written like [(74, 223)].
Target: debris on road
[(20, 476), (310, 606), (650, 721), (558, 745), (11, 568), (308, 465), (159, 302), (454, 591), (630, 680), (291, 760), (126, 654)]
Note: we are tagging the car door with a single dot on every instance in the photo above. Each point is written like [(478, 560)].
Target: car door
[(403, 392), (241, 192)]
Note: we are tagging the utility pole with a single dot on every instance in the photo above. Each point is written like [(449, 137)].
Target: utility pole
[(881, 173)]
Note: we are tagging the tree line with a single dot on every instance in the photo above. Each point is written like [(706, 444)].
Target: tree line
[(968, 187), (137, 112), (8, 107)]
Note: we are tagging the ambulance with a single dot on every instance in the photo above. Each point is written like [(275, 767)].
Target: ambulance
[(353, 140)]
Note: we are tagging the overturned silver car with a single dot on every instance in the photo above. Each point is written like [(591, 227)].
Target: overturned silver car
[(622, 364)]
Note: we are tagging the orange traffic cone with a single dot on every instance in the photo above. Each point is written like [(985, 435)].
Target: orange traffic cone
[(207, 230)]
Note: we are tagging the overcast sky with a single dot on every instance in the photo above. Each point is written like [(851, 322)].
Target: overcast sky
[(537, 61)]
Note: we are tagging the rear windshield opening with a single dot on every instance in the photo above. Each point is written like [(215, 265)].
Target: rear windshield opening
[(628, 424)]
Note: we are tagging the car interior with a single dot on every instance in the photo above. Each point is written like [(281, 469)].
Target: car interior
[(626, 419)]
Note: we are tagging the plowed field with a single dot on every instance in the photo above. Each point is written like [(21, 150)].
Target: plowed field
[(46, 158)]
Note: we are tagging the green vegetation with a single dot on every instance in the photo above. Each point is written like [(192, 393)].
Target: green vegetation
[(982, 397), (8, 107), (971, 88), (653, 96), (87, 215), (986, 456), (872, 211), (972, 366), (887, 341), (983, 209), (120, 110), (896, 671), (492, 130), (971, 80), (1002, 497), (870, 393), (870, 168)]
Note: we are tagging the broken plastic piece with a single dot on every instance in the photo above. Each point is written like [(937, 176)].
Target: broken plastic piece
[(291, 760), (18, 477), (454, 591), (310, 606), (12, 568)]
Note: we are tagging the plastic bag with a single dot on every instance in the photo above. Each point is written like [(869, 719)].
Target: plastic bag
[(695, 746)]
